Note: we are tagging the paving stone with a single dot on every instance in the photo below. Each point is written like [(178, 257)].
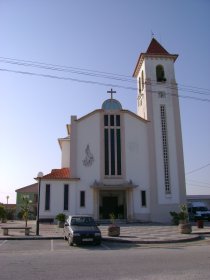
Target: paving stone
[(138, 233)]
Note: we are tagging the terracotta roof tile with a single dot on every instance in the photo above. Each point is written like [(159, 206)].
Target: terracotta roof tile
[(63, 173), (156, 48), (29, 189)]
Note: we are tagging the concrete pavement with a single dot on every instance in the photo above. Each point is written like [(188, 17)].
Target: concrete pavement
[(141, 233)]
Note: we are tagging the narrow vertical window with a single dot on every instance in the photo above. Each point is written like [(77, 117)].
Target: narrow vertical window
[(47, 197), (119, 171), (66, 197), (106, 123), (142, 80), (117, 120), (111, 120), (143, 199), (106, 150), (82, 198), (112, 145), (165, 148), (139, 84), (112, 152)]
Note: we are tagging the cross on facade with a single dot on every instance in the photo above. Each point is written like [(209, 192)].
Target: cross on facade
[(111, 91)]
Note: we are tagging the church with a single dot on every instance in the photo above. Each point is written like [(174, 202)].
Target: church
[(114, 161)]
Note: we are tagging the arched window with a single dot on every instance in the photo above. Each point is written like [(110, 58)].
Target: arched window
[(160, 74), (142, 80)]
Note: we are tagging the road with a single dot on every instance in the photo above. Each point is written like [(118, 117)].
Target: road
[(55, 260)]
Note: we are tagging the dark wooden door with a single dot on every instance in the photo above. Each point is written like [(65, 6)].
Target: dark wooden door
[(110, 205)]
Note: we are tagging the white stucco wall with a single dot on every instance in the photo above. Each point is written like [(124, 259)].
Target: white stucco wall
[(137, 159), (88, 133), (142, 108), (172, 156), (172, 149), (150, 67), (65, 152), (56, 198)]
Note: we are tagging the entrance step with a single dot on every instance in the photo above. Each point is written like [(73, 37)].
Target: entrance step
[(108, 221)]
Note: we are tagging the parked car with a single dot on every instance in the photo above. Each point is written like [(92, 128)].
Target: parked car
[(198, 211), (81, 229)]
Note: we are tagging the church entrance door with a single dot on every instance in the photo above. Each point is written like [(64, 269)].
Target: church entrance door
[(110, 206), (112, 202)]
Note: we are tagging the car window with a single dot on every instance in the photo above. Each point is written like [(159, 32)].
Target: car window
[(84, 221)]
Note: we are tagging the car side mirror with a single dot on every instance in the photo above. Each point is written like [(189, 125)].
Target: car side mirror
[(66, 224)]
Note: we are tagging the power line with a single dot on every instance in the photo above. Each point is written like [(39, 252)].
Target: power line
[(94, 82), (176, 86), (65, 78), (73, 70), (182, 96), (195, 185), (198, 169), (95, 73), (197, 182)]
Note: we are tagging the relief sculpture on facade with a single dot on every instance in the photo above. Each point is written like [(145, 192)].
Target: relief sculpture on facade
[(89, 159)]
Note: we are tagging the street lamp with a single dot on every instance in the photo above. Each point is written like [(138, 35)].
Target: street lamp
[(39, 176)]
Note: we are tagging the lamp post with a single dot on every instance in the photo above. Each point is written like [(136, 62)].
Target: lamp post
[(7, 197), (39, 177)]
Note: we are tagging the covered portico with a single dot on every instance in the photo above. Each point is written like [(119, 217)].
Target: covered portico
[(114, 199)]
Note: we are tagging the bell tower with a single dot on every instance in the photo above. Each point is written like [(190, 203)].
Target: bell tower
[(157, 102)]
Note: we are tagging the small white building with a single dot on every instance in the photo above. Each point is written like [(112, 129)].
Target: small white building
[(116, 161)]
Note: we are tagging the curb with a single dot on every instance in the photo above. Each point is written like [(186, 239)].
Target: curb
[(109, 239), (118, 240), (31, 238)]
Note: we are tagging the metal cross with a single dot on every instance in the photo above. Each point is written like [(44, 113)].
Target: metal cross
[(111, 91)]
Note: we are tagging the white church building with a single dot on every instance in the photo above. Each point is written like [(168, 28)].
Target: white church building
[(120, 162)]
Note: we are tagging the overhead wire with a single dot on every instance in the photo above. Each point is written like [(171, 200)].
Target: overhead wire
[(95, 82), (93, 73), (197, 169), (73, 70), (196, 183), (65, 78)]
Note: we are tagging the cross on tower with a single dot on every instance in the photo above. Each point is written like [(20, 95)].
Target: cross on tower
[(111, 91)]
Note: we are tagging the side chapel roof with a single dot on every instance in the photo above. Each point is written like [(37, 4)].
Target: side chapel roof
[(63, 173)]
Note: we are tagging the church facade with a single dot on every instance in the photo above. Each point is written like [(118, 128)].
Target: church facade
[(120, 162)]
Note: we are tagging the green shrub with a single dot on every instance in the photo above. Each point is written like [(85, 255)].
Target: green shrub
[(182, 215), (60, 217)]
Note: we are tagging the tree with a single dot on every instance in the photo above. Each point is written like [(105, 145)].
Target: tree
[(25, 209)]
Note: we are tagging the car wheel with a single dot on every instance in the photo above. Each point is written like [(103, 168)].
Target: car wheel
[(70, 241), (98, 243)]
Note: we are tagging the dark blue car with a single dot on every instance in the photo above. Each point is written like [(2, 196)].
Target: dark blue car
[(81, 229)]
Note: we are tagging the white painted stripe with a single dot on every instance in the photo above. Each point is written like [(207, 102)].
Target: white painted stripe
[(51, 245), (5, 241)]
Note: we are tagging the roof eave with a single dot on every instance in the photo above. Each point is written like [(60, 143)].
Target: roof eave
[(143, 55), (58, 179)]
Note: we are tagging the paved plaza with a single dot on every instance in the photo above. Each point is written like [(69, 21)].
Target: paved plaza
[(141, 233)]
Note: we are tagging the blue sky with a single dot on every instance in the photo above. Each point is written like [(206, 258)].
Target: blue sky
[(105, 36)]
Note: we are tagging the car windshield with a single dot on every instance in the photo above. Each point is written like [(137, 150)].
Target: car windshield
[(202, 209), (82, 221)]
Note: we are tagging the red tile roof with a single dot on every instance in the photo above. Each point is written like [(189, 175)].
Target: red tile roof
[(156, 48), (29, 189), (63, 173)]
